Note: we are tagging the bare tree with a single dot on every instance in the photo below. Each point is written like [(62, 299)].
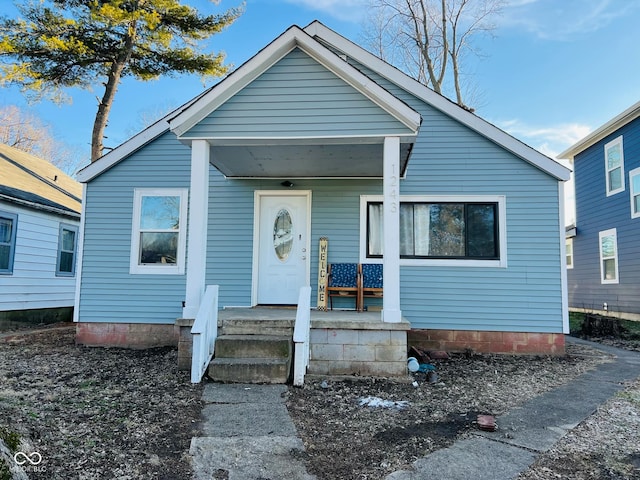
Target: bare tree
[(25, 131), (425, 37)]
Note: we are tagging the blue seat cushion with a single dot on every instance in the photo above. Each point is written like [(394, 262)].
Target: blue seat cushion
[(372, 275), (344, 275)]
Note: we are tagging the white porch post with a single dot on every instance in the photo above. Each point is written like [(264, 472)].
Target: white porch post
[(391, 190), (197, 229)]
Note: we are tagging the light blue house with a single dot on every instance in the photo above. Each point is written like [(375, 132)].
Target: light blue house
[(316, 138)]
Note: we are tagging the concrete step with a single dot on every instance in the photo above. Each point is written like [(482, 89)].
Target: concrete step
[(253, 346), (244, 326), (249, 370)]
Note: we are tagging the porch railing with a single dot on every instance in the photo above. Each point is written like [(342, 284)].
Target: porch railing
[(301, 332), (204, 333)]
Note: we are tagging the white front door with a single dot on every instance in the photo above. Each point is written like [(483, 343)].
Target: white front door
[(283, 247)]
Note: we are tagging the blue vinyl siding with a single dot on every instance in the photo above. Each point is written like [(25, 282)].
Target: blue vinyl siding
[(335, 213), (108, 292), (297, 97), (596, 212), (448, 159)]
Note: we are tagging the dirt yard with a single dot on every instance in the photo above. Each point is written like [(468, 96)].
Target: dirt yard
[(95, 413), (346, 440)]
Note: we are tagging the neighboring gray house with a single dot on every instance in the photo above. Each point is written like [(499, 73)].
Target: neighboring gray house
[(39, 219), (318, 134), (603, 248)]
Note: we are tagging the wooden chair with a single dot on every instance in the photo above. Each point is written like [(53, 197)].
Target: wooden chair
[(371, 282), (343, 281)]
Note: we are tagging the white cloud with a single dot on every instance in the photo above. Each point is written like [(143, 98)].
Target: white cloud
[(550, 140), (562, 20), (346, 10)]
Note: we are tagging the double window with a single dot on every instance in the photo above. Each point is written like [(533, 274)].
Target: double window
[(8, 224), (463, 230), (608, 256), (614, 166), (158, 239), (67, 241)]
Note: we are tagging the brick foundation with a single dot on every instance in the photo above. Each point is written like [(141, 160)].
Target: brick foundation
[(128, 335), (488, 342)]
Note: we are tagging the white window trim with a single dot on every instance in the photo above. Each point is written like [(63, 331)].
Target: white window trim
[(12, 242), (421, 262), (607, 233), (569, 241), (633, 173), (74, 229), (606, 168), (158, 269)]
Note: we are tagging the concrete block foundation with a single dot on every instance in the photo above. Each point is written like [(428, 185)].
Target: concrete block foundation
[(359, 348)]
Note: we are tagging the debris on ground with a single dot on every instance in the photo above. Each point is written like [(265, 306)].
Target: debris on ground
[(344, 440), (377, 402), (487, 423)]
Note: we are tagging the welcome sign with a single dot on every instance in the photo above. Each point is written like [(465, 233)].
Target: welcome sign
[(322, 274)]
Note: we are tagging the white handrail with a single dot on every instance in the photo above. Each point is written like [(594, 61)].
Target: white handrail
[(301, 332), (204, 333)]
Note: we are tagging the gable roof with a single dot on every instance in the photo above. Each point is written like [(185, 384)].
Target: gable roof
[(33, 182), (312, 39), (598, 134), (268, 56), (446, 106)]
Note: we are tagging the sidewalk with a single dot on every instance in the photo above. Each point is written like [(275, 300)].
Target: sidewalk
[(532, 428), (248, 434)]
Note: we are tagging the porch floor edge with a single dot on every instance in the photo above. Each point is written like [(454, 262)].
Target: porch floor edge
[(332, 319)]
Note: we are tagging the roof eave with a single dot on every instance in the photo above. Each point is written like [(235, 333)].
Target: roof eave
[(440, 102), (63, 211), (608, 128)]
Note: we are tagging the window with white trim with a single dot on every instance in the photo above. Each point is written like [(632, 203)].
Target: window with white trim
[(8, 226), (67, 242), (614, 166), (608, 256), (634, 192), (569, 252), (439, 230), (158, 238)]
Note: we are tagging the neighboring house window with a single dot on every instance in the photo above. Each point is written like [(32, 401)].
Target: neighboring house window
[(634, 189), (614, 165), (158, 240), (569, 252), (8, 225), (442, 229), (67, 241), (608, 256)]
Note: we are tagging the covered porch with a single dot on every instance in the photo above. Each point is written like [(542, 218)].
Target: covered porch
[(296, 113)]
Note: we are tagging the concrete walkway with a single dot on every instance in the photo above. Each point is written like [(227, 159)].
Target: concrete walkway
[(248, 434), (532, 428)]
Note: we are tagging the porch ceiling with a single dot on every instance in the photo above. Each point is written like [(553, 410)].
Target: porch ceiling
[(304, 160)]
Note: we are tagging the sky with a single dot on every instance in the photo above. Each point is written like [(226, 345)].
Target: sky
[(553, 71)]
